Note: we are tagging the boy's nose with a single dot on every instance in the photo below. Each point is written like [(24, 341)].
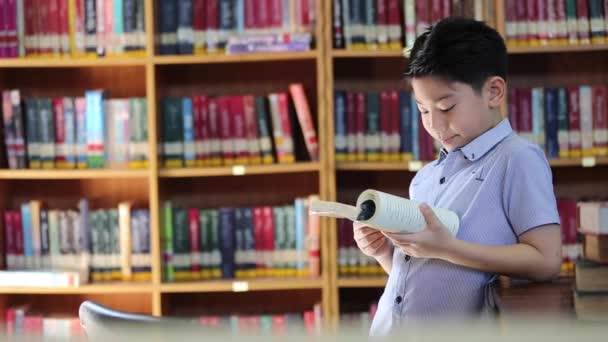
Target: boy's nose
[(438, 121)]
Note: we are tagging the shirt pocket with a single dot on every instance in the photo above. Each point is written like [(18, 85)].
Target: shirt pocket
[(469, 191)]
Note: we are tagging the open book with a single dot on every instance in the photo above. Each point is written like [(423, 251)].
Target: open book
[(383, 211)]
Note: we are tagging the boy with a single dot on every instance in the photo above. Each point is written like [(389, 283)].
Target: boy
[(499, 185)]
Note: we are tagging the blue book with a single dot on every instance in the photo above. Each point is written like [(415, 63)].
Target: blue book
[(340, 125), (118, 45), (81, 132), (227, 242), (406, 125), (189, 143), (168, 27), (415, 133), (95, 128), (239, 15), (28, 247), (249, 242), (300, 222), (129, 25), (239, 243), (551, 124), (226, 22), (563, 138), (185, 31)]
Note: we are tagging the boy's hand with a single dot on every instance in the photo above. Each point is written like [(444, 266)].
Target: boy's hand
[(432, 242), (370, 241)]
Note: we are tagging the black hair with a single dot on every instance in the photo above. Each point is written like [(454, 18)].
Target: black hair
[(459, 49)]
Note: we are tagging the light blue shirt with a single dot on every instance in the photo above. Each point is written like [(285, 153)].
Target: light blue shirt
[(500, 186)]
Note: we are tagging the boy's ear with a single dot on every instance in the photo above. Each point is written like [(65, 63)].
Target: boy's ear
[(495, 90)]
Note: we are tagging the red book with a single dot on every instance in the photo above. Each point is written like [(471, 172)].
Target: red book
[(524, 112), (521, 19), (215, 142), (64, 27), (9, 316), (305, 119), (18, 230), (29, 21), (212, 23), (446, 8), (268, 242), (195, 243), (395, 126), (562, 24), (543, 21), (436, 10), (551, 21), (512, 105), (276, 14), (11, 40), (251, 127), (9, 238), (600, 120), (283, 106), (54, 26), (43, 29), (584, 26), (204, 131), (511, 22), (197, 122), (574, 122), (262, 17), (250, 17), (381, 21), (199, 16), (305, 13), (423, 17), (394, 24), (239, 130), (60, 147), (532, 22), (258, 233), (385, 126), (226, 133)]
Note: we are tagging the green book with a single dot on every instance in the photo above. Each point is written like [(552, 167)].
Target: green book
[(167, 217), (214, 236), (181, 244), (173, 147)]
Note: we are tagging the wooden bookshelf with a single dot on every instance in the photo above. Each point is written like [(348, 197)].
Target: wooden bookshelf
[(63, 62), (337, 53), (73, 174), (241, 170), (363, 282), (243, 285), (221, 58), (101, 288), (557, 48)]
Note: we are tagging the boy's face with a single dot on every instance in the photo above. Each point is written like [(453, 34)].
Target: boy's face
[(454, 113)]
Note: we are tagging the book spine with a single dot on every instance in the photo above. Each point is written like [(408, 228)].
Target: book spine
[(185, 31), (340, 125), (268, 234), (305, 120), (17, 219), (19, 127), (239, 244), (406, 126), (60, 150), (181, 244), (409, 10), (9, 240), (395, 123), (195, 248), (415, 129), (173, 133), (239, 130), (584, 24), (596, 19), (140, 31), (69, 132), (288, 143), (226, 23), (9, 131), (562, 122), (227, 248), (258, 232), (64, 28), (264, 131), (47, 133), (291, 252), (168, 27), (600, 120), (168, 254), (371, 24), (188, 133), (587, 124), (216, 254), (278, 253), (538, 117), (561, 22), (314, 237), (543, 21), (204, 244), (130, 24), (361, 123), (551, 122), (373, 144), (346, 23), (28, 247), (118, 42), (199, 8), (337, 24), (81, 132), (226, 130), (385, 121), (197, 124), (394, 24), (574, 124), (423, 16), (249, 243), (212, 21), (215, 142), (95, 128), (251, 128)]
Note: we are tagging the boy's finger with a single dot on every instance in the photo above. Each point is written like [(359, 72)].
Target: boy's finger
[(429, 215), (367, 242), (401, 238)]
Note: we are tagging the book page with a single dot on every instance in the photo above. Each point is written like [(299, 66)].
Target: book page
[(333, 209)]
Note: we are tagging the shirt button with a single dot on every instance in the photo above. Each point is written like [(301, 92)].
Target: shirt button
[(398, 300), (442, 180), (407, 257)]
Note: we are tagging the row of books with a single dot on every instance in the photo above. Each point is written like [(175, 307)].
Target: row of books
[(81, 132), (572, 247), (594, 217), (353, 321), (100, 244), (392, 24), (209, 131), (308, 323), (351, 262), (265, 241), (76, 28), (565, 122), (20, 322), (211, 26), (379, 126), (556, 22)]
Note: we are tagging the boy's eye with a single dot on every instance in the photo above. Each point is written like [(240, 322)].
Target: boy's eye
[(447, 109)]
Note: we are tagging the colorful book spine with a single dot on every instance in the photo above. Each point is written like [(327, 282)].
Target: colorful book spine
[(188, 133), (95, 128)]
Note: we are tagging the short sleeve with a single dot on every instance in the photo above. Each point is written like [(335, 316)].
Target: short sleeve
[(528, 197)]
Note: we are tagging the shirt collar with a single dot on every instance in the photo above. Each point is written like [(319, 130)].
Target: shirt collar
[(483, 143)]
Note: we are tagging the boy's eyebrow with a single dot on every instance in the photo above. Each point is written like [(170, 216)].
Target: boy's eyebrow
[(439, 99)]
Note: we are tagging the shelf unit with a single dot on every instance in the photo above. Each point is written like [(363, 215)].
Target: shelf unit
[(155, 76)]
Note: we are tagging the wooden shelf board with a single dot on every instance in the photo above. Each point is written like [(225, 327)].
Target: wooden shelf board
[(110, 288), (557, 48), (367, 53), (240, 170), (71, 62), (73, 174), (274, 284), (407, 166), (362, 282), (220, 58)]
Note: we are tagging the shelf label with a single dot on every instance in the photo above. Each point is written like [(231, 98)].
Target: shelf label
[(238, 170), (588, 162), (240, 286), (414, 165)]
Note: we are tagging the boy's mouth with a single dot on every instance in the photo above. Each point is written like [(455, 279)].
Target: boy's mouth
[(447, 140)]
